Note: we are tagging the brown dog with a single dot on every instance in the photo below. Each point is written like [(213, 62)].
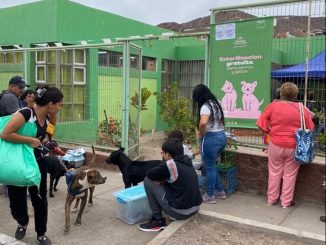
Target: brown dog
[(82, 180)]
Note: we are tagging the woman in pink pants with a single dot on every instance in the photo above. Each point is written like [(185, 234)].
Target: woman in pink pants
[(280, 120)]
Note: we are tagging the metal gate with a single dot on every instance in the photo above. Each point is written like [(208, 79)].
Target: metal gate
[(98, 82)]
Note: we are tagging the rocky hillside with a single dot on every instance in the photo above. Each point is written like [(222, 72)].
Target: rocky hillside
[(286, 26)]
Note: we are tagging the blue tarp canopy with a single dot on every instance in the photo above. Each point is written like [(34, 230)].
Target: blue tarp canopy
[(316, 68)]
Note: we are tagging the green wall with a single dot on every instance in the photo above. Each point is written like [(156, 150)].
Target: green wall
[(291, 51), (29, 23), (148, 117)]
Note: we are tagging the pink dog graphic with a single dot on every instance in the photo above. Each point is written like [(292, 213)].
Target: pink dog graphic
[(250, 102), (229, 100)]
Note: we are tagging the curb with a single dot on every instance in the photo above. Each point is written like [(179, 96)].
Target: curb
[(7, 240), (169, 231), (308, 237)]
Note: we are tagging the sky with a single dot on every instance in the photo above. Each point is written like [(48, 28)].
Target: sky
[(151, 11), (156, 11)]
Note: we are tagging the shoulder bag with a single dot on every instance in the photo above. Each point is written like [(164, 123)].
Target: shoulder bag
[(304, 150)]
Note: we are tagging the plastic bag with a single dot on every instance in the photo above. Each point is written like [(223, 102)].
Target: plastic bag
[(18, 165)]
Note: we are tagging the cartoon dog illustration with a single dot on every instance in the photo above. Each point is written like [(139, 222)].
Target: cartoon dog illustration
[(250, 102), (229, 100)]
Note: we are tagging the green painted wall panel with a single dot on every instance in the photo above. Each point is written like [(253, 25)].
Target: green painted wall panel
[(190, 52), (28, 23), (148, 117), (293, 50), (5, 77)]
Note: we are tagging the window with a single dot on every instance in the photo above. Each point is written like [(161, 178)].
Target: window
[(65, 69), (148, 63), (134, 61), (11, 58), (103, 58), (115, 59), (168, 70), (40, 74), (109, 58)]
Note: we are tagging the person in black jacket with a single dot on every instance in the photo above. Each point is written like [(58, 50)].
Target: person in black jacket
[(171, 187)]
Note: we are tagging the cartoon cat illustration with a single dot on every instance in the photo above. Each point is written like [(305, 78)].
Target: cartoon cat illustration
[(249, 100), (229, 100)]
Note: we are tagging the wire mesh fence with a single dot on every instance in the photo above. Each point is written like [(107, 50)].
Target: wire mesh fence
[(91, 79), (298, 36)]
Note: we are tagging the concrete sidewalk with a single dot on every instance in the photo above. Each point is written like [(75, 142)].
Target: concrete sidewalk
[(100, 225)]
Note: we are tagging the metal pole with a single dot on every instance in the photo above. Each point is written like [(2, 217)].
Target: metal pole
[(254, 4), (207, 62), (26, 75), (125, 96), (307, 54), (140, 97)]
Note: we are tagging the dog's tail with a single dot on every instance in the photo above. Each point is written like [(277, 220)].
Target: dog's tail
[(93, 157)]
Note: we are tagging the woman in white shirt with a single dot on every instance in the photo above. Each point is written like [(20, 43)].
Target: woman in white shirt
[(210, 121)]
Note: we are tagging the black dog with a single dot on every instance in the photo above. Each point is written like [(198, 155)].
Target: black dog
[(56, 169), (133, 172)]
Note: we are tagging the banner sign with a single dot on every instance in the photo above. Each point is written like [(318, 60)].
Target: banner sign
[(240, 68)]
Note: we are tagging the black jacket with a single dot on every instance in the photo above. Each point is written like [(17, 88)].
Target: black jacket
[(181, 182)]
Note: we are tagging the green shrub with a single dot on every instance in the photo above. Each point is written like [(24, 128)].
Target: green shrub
[(176, 113)]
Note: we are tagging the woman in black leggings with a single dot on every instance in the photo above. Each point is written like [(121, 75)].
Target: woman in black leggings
[(48, 101)]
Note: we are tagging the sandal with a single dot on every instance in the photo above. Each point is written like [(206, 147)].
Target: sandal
[(20, 232), (44, 240)]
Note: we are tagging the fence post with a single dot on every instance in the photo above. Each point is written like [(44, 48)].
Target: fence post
[(125, 96), (207, 63), (307, 54)]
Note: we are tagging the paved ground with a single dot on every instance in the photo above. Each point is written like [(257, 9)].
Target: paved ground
[(100, 225)]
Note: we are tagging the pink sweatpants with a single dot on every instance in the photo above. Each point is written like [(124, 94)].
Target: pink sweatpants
[(281, 166)]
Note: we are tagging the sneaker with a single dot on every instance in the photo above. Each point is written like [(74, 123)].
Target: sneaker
[(220, 194), (44, 240), (153, 225), (20, 232), (290, 205), (209, 200)]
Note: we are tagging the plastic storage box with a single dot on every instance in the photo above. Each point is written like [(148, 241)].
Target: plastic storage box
[(132, 204), (74, 158)]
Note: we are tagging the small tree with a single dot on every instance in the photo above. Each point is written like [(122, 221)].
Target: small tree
[(145, 94), (176, 113)]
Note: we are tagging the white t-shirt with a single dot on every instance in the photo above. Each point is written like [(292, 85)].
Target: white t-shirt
[(188, 152), (217, 125)]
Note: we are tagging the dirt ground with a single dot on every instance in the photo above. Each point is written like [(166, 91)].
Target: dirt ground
[(203, 230)]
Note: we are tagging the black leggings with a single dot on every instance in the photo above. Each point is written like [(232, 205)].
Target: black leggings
[(18, 202)]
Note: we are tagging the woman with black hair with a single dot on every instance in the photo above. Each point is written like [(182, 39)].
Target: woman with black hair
[(27, 98), (48, 101), (210, 121)]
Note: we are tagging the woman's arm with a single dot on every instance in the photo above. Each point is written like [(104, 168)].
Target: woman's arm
[(263, 122), (9, 133), (202, 125)]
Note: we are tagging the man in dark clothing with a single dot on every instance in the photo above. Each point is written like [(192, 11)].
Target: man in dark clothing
[(9, 102), (171, 187)]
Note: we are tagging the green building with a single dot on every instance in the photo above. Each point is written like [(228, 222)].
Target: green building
[(91, 78)]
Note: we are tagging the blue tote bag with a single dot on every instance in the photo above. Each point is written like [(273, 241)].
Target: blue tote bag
[(18, 165), (304, 150)]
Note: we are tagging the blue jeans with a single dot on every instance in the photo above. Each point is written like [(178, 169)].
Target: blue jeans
[(212, 145)]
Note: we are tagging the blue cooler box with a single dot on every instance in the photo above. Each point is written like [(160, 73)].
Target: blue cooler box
[(132, 205)]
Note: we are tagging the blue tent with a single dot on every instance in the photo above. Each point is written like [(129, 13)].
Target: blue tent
[(316, 68)]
